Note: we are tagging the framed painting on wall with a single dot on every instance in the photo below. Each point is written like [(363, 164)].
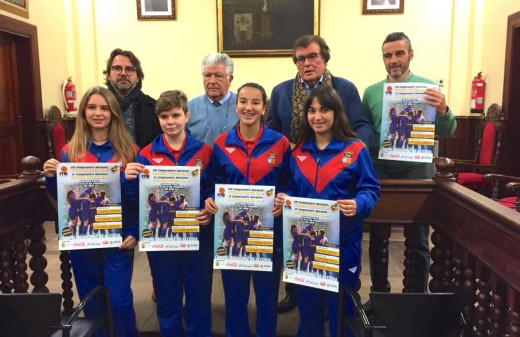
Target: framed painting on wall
[(18, 7), (264, 27), (383, 6), (155, 9)]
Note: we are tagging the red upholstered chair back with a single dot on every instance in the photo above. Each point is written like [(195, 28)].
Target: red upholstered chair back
[(487, 147), (56, 133), (470, 172), (60, 139), (490, 138)]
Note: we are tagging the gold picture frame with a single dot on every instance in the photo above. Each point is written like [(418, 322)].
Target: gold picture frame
[(383, 6), (264, 27), (155, 10), (18, 7)]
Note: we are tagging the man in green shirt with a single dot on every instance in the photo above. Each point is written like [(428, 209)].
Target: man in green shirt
[(397, 55)]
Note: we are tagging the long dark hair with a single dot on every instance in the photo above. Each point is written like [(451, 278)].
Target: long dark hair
[(328, 98)]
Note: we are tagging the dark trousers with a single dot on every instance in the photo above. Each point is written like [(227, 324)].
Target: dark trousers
[(237, 284), (179, 276), (112, 268)]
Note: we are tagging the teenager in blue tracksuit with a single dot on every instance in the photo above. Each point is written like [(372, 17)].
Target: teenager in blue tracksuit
[(100, 137), (251, 154), (178, 273), (329, 162)]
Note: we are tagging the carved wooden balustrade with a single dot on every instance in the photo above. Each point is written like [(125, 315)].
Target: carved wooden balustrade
[(22, 213), (476, 243), (24, 206), (476, 247)]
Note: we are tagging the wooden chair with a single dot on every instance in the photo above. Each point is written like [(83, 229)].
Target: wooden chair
[(404, 315), (470, 173), (38, 315), (511, 183), (56, 132)]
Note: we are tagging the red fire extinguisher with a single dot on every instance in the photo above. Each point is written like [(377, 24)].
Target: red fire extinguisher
[(478, 88), (69, 95)]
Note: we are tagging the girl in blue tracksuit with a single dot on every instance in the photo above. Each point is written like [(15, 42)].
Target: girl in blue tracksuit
[(241, 156), (329, 162), (100, 137), (181, 273)]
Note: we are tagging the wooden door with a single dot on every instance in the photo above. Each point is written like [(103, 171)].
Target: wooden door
[(509, 161), (11, 136)]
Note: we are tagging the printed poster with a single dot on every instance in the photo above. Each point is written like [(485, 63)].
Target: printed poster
[(244, 227), (169, 200), (89, 205), (311, 243), (407, 123)]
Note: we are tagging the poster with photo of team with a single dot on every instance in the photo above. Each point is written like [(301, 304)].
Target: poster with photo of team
[(407, 123), (169, 200), (244, 227), (89, 205), (311, 242)]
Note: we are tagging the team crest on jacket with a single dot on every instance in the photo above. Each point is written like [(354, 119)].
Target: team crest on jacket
[(347, 157), (271, 158), (230, 149), (302, 158), (158, 160)]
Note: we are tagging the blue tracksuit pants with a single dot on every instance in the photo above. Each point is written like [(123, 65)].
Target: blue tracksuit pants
[(312, 301), (112, 268), (237, 284), (178, 274)]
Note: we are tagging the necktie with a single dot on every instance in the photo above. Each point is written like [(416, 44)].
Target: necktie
[(216, 103)]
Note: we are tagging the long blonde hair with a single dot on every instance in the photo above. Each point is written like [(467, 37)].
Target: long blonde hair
[(122, 143)]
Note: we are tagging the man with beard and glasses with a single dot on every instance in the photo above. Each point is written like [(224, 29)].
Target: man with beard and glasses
[(124, 78), (397, 53), (213, 112), (311, 55)]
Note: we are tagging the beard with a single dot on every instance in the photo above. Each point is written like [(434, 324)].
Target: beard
[(124, 87), (397, 72)]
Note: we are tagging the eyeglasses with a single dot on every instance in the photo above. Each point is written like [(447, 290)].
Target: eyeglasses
[(311, 57), (128, 70)]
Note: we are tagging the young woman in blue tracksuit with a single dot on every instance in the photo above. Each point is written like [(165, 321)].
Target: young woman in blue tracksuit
[(329, 162), (240, 156), (178, 274), (100, 137)]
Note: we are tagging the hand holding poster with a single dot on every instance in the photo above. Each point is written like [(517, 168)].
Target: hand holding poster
[(169, 200), (407, 124), (311, 242), (89, 206), (244, 227)]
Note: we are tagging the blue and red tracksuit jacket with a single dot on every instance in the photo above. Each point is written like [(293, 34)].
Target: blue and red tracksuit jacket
[(268, 164), (100, 154), (194, 153), (343, 170)]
